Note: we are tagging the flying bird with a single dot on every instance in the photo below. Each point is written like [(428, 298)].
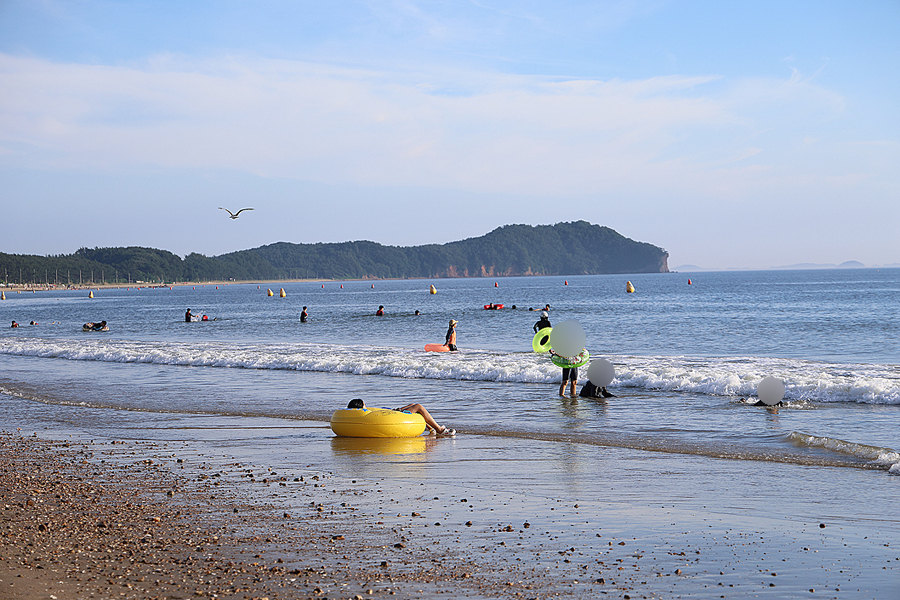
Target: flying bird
[(234, 215)]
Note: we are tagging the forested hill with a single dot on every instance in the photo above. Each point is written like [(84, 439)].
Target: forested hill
[(577, 248)]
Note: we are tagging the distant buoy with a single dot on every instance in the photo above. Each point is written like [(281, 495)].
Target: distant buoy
[(342, 286), (217, 287), (282, 293), (496, 284), (257, 287), (91, 295), (629, 288), (373, 286), (567, 282), (270, 293), (689, 282), (323, 286), (2, 295), (432, 290)]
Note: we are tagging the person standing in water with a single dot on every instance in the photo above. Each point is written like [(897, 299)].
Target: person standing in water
[(544, 323), (450, 340), (380, 311), (304, 315), (569, 375)]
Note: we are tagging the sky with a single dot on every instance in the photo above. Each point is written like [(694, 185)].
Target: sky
[(741, 134)]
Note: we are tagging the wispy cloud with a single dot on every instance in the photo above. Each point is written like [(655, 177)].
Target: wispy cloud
[(472, 130)]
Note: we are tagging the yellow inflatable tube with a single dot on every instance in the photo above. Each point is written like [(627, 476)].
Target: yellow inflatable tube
[(376, 423)]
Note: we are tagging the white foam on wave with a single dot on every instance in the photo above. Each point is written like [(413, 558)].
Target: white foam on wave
[(805, 381), (883, 457)]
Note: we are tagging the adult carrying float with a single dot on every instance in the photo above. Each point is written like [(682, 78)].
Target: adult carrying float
[(376, 423), (571, 362), (541, 341)]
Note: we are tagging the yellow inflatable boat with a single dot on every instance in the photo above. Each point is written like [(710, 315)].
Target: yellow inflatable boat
[(376, 423)]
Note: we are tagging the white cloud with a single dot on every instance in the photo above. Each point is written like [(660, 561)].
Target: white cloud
[(472, 131)]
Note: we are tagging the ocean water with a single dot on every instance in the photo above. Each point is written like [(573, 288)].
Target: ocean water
[(688, 358)]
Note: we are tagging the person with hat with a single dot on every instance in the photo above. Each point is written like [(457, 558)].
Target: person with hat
[(450, 340), (544, 323)]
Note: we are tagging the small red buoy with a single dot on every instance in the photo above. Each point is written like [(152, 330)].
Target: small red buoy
[(496, 284), (689, 282), (373, 286), (567, 282), (323, 286), (217, 287), (342, 286)]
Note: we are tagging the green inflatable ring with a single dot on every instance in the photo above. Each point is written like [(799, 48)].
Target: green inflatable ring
[(541, 341), (570, 363)]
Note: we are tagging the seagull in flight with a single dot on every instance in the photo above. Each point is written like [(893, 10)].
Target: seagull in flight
[(234, 215)]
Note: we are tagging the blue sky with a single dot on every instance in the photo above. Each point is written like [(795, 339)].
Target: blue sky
[(732, 134)]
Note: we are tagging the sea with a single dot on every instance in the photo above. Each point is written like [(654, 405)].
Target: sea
[(689, 350), (681, 449)]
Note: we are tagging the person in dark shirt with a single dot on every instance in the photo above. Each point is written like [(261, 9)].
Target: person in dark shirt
[(589, 390), (450, 340), (543, 323), (304, 315)]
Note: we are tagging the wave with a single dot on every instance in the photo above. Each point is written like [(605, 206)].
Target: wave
[(805, 381), (881, 457)]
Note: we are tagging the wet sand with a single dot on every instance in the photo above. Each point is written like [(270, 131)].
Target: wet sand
[(338, 518)]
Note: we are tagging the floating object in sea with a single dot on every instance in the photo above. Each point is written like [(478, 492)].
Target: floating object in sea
[(376, 423), (269, 292), (432, 290), (91, 295), (579, 360), (541, 340), (629, 288), (282, 293)]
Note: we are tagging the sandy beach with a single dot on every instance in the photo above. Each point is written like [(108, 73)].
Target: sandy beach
[(200, 525)]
